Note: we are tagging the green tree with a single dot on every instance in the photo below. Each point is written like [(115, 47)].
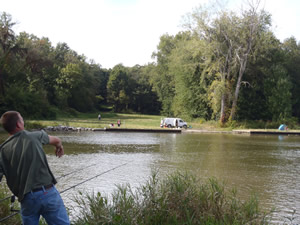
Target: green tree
[(278, 93), (76, 83), (101, 79), (162, 79), (8, 49), (253, 103), (68, 79), (37, 63), (187, 65), (83, 94), (252, 25), (291, 51), (230, 40), (118, 88), (143, 98), (21, 84), (30, 67), (217, 30)]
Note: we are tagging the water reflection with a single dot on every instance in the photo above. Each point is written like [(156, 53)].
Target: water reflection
[(266, 165)]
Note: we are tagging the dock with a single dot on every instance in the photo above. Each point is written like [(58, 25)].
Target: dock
[(266, 132), (177, 130), (162, 130), (166, 130)]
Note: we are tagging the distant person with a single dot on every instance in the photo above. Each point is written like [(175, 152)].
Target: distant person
[(99, 116), (119, 123), (24, 164), (282, 127)]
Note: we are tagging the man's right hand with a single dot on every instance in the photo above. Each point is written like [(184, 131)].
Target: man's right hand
[(59, 151)]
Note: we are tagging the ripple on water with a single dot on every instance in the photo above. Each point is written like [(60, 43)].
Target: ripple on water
[(266, 165)]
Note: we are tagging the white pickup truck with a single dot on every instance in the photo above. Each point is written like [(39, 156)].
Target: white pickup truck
[(173, 122)]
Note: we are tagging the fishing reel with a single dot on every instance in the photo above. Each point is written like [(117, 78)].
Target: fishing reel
[(12, 201)]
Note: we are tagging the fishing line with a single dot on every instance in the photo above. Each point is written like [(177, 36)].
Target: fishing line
[(18, 211), (67, 174), (75, 171), (94, 177)]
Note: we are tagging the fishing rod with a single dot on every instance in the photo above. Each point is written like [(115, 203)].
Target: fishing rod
[(7, 217), (3, 199), (16, 211), (94, 177)]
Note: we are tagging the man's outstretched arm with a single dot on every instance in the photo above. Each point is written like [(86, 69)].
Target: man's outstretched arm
[(55, 141)]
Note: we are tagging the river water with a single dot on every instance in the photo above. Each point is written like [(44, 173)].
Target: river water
[(268, 165)]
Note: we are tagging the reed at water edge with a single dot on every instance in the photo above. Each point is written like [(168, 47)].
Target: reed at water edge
[(178, 198)]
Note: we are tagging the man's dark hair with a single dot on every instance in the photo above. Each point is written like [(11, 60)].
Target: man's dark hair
[(9, 120)]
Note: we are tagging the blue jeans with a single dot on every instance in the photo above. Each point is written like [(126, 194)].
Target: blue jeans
[(47, 203)]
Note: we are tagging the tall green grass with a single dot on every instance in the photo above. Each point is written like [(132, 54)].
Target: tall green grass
[(177, 199), (107, 118)]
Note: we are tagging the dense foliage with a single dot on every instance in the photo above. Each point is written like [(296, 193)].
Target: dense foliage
[(227, 66), (37, 78), (223, 66)]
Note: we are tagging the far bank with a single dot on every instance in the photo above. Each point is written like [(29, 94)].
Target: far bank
[(144, 121)]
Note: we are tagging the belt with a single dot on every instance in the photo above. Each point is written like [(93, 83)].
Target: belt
[(46, 187)]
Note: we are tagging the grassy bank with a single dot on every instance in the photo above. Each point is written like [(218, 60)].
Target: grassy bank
[(91, 121), (140, 121), (177, 199)]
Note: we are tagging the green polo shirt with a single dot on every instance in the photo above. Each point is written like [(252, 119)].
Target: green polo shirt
[(24, 163)]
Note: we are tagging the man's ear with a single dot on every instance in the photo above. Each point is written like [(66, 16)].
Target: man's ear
[(18, 124)]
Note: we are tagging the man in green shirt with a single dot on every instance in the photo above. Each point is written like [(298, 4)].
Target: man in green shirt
[(28, 175)]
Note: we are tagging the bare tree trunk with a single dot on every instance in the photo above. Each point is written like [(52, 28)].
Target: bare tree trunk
[(238, 86), (226, 75), (243, 57), (222, 117)]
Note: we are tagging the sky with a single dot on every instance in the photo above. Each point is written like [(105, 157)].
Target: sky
[(110, 32)]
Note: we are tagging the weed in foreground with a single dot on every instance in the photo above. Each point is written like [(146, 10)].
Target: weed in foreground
[(5, 206), (177, 199)]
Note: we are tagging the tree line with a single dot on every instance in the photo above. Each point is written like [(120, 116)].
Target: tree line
[(223, 65), (39, 79)]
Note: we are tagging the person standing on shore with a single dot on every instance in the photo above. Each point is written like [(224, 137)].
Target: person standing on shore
[(24, 164)]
